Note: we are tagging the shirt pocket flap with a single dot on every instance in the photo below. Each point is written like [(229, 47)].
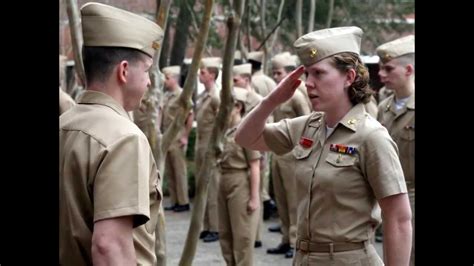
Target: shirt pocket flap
[(340, 159), (301, 153)]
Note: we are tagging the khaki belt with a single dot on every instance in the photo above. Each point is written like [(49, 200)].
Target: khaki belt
[(307, 246)]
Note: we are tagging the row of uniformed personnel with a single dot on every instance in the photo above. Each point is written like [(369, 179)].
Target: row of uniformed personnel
[(110, 189)]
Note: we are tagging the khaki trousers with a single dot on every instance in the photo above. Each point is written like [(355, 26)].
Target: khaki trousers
[(284, 187), (176, 172), (237, 227), (210, 212)]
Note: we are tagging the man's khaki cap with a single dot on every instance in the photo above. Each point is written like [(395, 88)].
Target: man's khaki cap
[(240, 94), (214, 62), (283, 60), (104, 25), (396, 48), (172, 70), (318, 45), (242, 69), (256, 56)]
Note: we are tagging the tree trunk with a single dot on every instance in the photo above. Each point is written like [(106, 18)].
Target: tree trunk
[(263, 25), (280, 11), (153, 113), (165, 49), (183, 22), (312, 12), (299, 18), (330, 12), (218, 129), (76, 38)]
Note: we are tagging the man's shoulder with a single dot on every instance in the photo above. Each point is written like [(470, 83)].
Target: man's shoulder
[(101, 123)]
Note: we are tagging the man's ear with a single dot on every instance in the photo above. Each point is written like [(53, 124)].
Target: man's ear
[(409, 69), (122, 71)]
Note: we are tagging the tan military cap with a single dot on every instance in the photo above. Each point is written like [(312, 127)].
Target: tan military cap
[(240, 94), (104, 25), (242, 69), (317, 45), (283, 60), (173, 70), (396, 48), (256, 56), (211, 62)]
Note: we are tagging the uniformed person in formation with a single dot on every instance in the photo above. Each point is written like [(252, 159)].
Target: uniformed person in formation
[(239, 196), (397, 112), (110, 189), (65, 100), (347, 165), (207, 106), (262, 83), (175, 169), (283, 166), (243, 79)]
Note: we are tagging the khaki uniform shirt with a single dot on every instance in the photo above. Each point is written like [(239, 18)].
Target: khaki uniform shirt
[(65, 101), (207, 107), (338, 191), (401, 126), (371, 107), (235, 156), (262, 83), (106, 170)]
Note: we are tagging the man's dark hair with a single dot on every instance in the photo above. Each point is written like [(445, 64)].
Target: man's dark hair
[(100, 61), (256, 66)]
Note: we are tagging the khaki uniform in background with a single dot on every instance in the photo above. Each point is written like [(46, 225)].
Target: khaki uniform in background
[(65, 101), (302, 89), (106, 166), (175, 168), (207, 106), (262, 83), (384, 93), (371, 107), (401, 127), (338, 191), (237, 228), (283, 171)]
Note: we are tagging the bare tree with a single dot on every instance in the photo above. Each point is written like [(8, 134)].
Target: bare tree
[(299, 17), (280, 11), (330, 13), (217, 133), (263, 26), (312, 11), (76, 34)]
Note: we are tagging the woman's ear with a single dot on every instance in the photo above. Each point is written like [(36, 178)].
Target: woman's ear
[(350, 77)]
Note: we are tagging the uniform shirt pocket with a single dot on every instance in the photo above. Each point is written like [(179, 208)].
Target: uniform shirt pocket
[(408, 133), (301, 153), (340, 159)]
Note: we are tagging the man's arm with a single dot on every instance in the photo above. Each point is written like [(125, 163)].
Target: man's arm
[(397, 230), (112, 242)]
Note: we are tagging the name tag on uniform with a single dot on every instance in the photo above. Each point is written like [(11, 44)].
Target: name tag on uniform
[(306, 143), (342, 149)]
